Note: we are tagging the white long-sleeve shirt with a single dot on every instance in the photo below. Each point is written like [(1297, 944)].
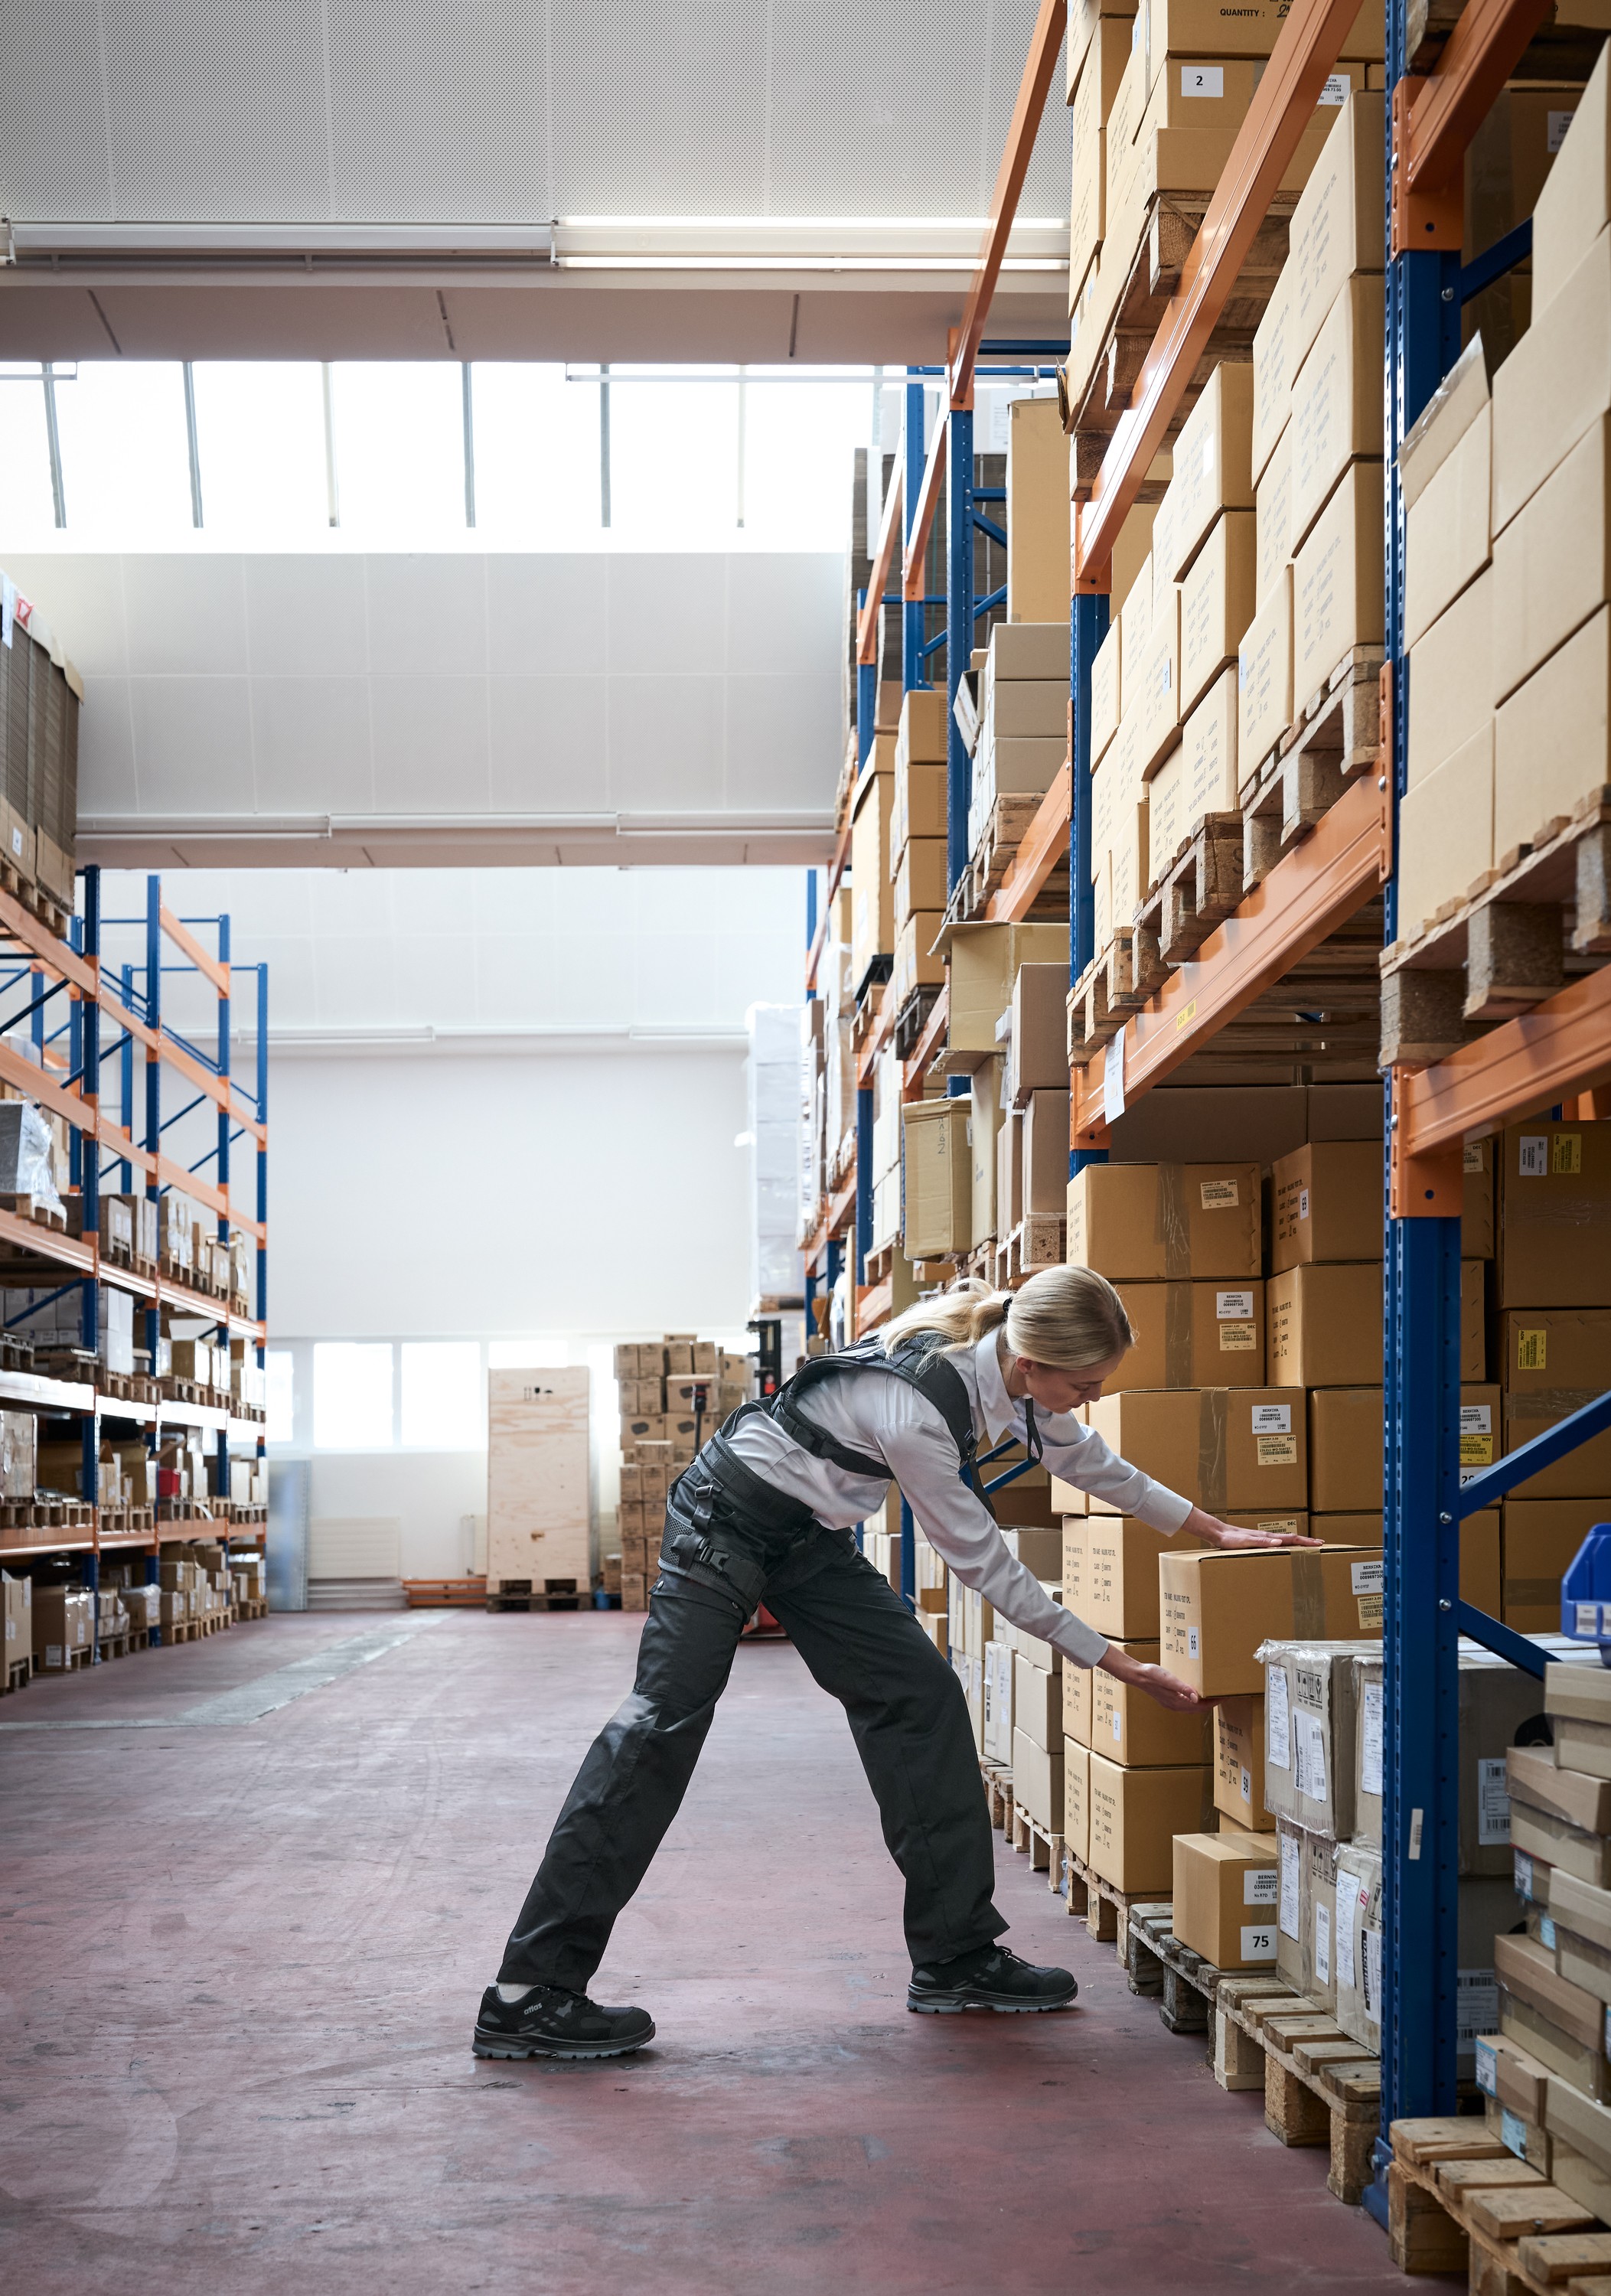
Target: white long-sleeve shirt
[(875, 1412)]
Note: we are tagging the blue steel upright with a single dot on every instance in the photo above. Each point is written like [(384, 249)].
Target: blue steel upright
[(1088, 627), (959, 632), (913, 611), (1420, 1823)]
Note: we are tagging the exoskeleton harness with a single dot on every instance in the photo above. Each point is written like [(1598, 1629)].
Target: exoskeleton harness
[(720, 1505)]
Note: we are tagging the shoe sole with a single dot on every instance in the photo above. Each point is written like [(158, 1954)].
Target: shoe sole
[(927, 2008), (500, 2045)]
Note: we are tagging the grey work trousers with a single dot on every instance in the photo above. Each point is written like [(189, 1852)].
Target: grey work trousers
[(907, 1714)]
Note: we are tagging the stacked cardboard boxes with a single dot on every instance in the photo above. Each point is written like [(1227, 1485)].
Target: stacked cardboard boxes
[(917, 845), (674, 1393), (1023, 712)]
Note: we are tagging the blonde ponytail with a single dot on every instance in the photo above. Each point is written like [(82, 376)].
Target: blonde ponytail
[(1069, 1318)]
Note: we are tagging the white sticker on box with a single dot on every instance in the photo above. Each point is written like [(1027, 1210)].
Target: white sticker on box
[(1513, 2132), (1347, 1905), (1476, 1419), (1492, 1804), (1272, 1418), (1322, 1944), (1113, 1079), (1202, 79), (1476, 2004), (1260, 1886), (1248, 1788), (1276, 1723), (1546, 1931), (1309, 1744), (1367, 1577), (1532, 1156), (1302, 1203), (1556, 124), (1191, 1642), (1370, 1748), (1232, 1307), (1291, 1878), (1259, 1945), (1337, 88), (1118, 1726), (1370, 1992), (1487, 2067), (1524, 1875)]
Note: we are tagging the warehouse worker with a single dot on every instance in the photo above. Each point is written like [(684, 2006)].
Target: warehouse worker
[(765, 1513)]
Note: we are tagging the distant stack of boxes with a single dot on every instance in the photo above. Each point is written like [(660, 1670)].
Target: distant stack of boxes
[(1317, 442), (675, 1393), (919, 845), (1508, 570), (1024, 716), (40, 696)]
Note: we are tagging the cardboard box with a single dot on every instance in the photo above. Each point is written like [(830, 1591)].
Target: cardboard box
[(1036, 1057), (1193, 1335), (1572, 208), (1037, 1780), (1045, 1154), (998, 1695), (872, 895), (1092, 101), (915, 965), (1038, 1703), (1136, 622), (1107, 693), (1038, 581), (1166, 832), (1474, 1334), (1272, 520), (1219, 1606), (1135, 1815), (1357, 1888), (923, 736), (984, 1126), (1264, 678), (1555, 1360), (1345, 1450), (1447, 544), (1226, 1889), (1552, 564), (1452, 679), (1240, 1760), (1312, 1733), (1218, 597), (920, 877), (1538, 1538), (1154, 1223), (1551, 743), (937, 1179), (1273, 369), (1076, 1799), (1308, 1869), (1326, 1203), (1032, 708), (1129, 1728), (1115, 1589), (1336, 228), (1336, 581), (1325, 1324), (1336, 400), (1009, 1171), (1555, 383), (1232, 1449), (921, 803), (984, 962), (1152, 690), (1207, 27), (1213, 460), (1554, 1243), (1445, 844), (64, 1626), (1208, 755)]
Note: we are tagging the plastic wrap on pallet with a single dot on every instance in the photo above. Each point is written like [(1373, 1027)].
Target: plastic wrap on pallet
[(27, 1154), (772, 1074)]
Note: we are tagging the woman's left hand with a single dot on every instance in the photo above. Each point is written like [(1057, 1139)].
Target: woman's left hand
[(1208, 1531)]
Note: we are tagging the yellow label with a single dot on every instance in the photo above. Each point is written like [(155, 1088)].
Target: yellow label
[(1187, 1014), (1370, 1613), (1238, 1338), (1531, 1350), (1476, 1450), (1219, 1196), (1276, 1450), (1567, 1153), (1473, 1160)]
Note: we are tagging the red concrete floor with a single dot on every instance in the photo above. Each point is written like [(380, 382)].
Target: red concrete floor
[(240, 1963)]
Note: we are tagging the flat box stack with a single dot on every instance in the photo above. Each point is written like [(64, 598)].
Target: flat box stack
[(1023, 712), (675, 1392), (918, 846), (1015, 1714), (40, 697)]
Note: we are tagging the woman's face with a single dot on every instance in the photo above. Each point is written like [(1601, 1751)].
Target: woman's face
[(1055, 1391)]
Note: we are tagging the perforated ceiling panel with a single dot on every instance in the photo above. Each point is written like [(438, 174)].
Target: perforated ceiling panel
[(482, 110)]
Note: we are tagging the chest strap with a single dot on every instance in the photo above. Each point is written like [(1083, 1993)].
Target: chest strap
[(935, 1379)]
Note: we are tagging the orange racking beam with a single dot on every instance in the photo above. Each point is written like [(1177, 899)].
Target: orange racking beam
[(1043, 846), (1560, 1047), (1447, 108), (1341, 864), (1283, 106), (182, 939), (867, 628)]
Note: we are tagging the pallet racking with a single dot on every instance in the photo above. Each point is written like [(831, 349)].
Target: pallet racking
[(65, 1077), (1558, 1051)]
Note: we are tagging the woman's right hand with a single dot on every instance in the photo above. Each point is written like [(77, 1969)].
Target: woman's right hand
[(1167, 1689)]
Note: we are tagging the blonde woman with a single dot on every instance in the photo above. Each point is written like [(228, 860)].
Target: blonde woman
[(767, 1510)]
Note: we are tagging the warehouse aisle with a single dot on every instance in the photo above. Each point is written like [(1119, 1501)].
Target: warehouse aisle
[(243, 1949)]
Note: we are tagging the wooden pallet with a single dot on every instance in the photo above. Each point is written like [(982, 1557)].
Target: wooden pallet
[(1197, 891), (912, 1019), (127, 1387), (1038, 1843), (19, 1674), (39, 1209), (75, 1661), (553, 1594), (444, 1594), (1525, 928), (879, 1263), (1458, 2200), (1106, 1911), (46, 1511), (1337, 736), (250, 1609), (114, 1645), (126, 1523), (245, 1517), (999, 1794), (993, 855), (181, 1630)]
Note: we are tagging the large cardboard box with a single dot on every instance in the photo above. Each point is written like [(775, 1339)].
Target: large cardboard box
[(1076, 1799), (1037, 1780), (1135, 1815), (1345, 1450), (984, 962), (1208, 755), (1240, 1760), (997, 1692), (1555, 1360), (1117, 1561), (1107, 693), (872, 894), (1036, 1057), (64, 1626), (1337, 227), (1273, 368), (917, 966), (1231, 1449), (1207, 27), (1538, 1538), (1312, 1733), (1046, 1153), (1446, 542), (1038, 1703), (923, 736), (920, 877), (1264, 677), (1213, 464), (1445, 845), (1452, 679), (1153, 1223), (1358, 1890), (1226, 1888), (937, 1179), (1193, 1335), (1272, 520), (984, 1126), (1306, 1939), (1573, 205), (1496, 1703), (1336, 582), (1336, 398), (1325, 1324), (1219, 1605), (1555, 1228), (1091, 98), (1165, 814), (1038, 579), (1133, 1730), (1326, 1203), (1555, 383), (1551, 755), (1218, 599), (1151, 691), (921, 803), (1552, 564)]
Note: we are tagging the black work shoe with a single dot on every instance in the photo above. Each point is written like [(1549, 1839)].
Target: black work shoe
[(988, 1978), (551, 2022)]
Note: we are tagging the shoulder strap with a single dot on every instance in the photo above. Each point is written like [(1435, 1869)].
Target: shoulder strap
[(934, 1377)]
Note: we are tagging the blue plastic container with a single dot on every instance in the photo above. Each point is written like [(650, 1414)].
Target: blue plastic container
[(1586, 1592)]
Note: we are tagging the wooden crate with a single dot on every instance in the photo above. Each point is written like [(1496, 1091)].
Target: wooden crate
[(538, 1494)]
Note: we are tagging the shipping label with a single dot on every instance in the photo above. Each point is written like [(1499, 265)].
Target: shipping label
[(1230, 1307), (1276, 1450), (1476, 2004), (1277, 1724), (1367, 1577), (1532, 1156), (1337, 88), (1238, 1338), (1524, 1875), (1513, 2132), (1220, 1195), (1473, 1159), (1492, 1804), (1556, 124), (1248, 1788), (1260, 1886), (1193, 1641), (1291, 1877), (1259, 1944), (1303, 1205), (1546, 1931), (1309, 1757), (1487, 2067), (1322, 1944), (1532, 1350), (1371, 1733), (1272, 1418), (1370, 1991), (1348, 1906), (1567, 1153)]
